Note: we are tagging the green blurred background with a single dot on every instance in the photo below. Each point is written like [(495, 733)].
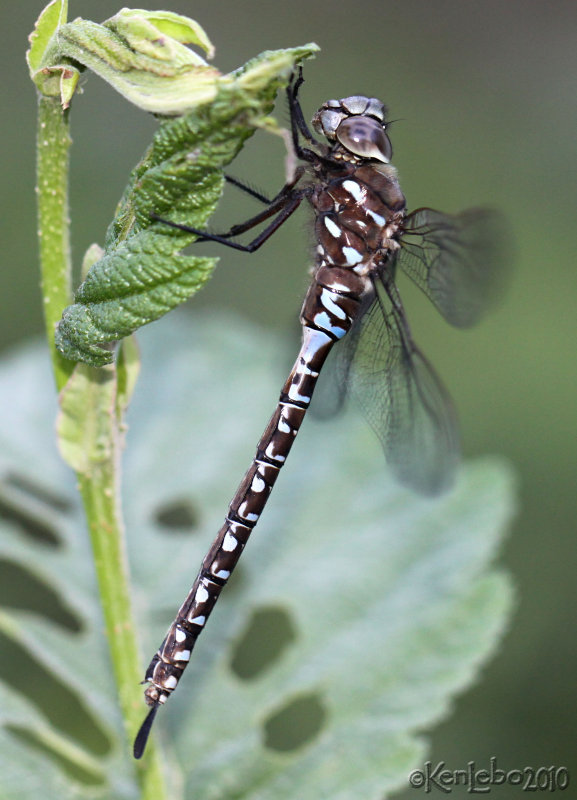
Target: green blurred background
[(484, 94)]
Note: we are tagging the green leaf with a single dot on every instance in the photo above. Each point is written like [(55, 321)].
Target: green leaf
[(142, 54), (128, 370), (383, 605), (92, 406), (142, 273), (142, 28), (51, 18), (87, 423)]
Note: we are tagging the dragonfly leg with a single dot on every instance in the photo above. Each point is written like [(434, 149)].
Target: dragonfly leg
[(278, 202), (287, 205), (285, 202), (248, 189), (298, 124)]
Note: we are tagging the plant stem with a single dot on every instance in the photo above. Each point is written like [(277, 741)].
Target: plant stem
[(53, 146), (93, 444), (106, 534)]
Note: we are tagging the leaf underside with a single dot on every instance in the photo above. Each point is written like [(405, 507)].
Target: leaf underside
[(356, 614)]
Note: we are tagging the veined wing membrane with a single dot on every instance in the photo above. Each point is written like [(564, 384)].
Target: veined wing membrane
[(401, 396), (457, 260)]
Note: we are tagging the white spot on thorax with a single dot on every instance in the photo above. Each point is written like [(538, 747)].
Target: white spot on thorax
[(355, 190), (332, 227), (381, 221), (363, 268), (352, 256)]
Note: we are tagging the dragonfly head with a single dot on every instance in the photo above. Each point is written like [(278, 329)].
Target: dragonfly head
[(358, 125)]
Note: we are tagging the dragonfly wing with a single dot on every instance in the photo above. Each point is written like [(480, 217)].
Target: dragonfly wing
[(459, 261), (403, 399)]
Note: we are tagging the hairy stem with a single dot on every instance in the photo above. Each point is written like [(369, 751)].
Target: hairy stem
[(53, 145)]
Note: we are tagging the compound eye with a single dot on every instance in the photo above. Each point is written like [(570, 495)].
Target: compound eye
[(365, 137)]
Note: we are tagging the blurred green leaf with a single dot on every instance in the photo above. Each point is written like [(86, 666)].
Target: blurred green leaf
[(388, 602)]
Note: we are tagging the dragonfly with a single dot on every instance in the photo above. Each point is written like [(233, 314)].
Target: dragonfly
[(364, 236)]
